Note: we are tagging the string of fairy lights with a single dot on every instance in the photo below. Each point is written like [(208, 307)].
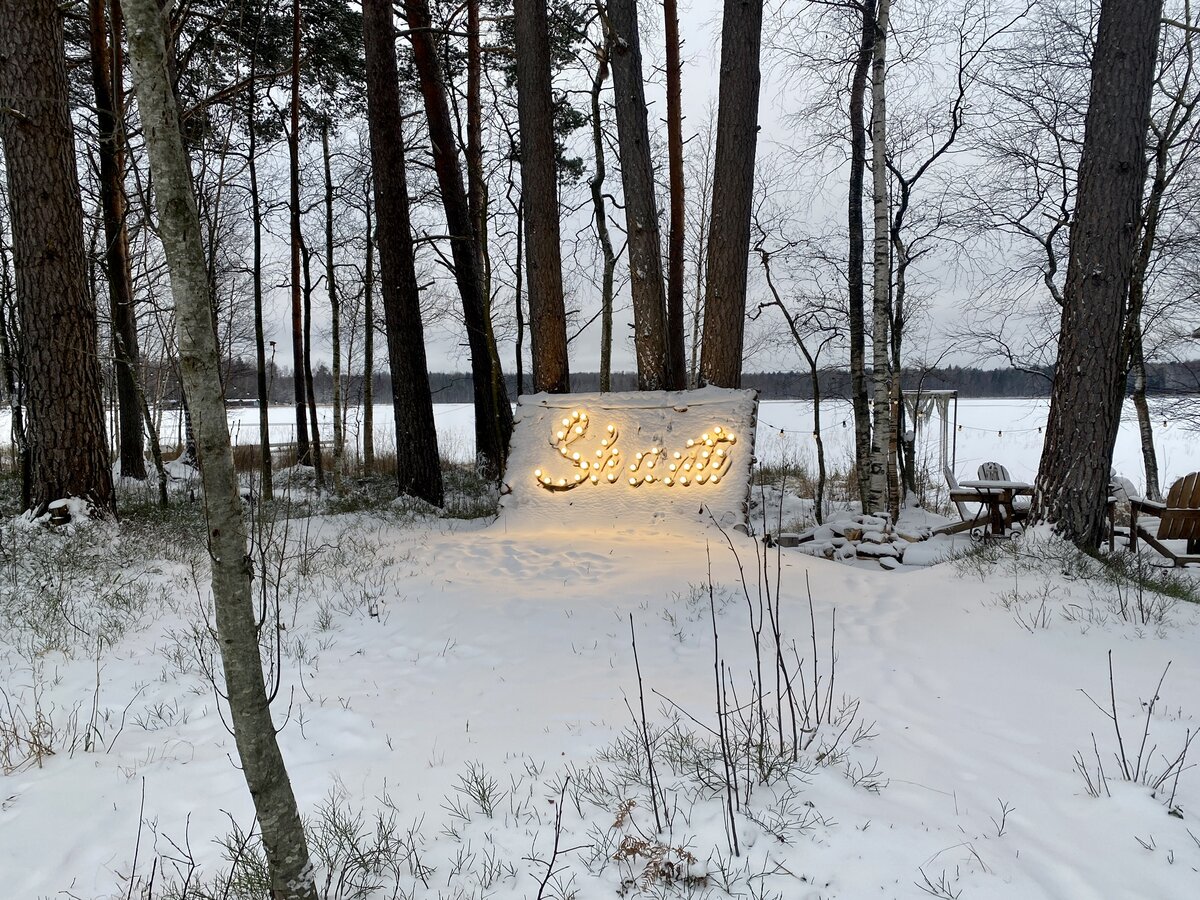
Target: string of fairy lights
[(702, 460)]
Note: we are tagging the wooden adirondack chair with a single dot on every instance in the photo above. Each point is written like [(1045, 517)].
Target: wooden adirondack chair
[(961, 498), (1178, 520)]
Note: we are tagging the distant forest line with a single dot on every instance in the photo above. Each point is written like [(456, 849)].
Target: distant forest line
[(455, 387)]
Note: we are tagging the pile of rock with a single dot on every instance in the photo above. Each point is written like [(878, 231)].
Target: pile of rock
[(855, 537)]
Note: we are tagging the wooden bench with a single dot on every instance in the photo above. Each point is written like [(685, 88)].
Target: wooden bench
[(1178, 520)]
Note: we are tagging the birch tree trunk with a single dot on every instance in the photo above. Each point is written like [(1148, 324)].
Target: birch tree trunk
[(65, 435), (881, 427), (179, 229), (368, 389)]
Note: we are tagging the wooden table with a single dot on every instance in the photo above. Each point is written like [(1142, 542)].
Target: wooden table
[(997, 496)]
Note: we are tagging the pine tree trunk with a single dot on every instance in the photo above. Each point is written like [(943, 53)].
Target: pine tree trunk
[(314, 425), (303, 451), (1089, 379), (110, 123), (418, 469), (266, 464), (335, 311), (493, 414), (857, 242), (641, 210), (600, 212), (539, 193), (179, 228), (733, 194), (67, 447), (675, 340), (8, 362)]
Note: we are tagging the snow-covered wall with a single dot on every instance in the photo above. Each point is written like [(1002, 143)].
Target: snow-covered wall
[(625, 461)]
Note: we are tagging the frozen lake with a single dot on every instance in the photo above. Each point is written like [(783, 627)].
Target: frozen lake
[(1005, 430)]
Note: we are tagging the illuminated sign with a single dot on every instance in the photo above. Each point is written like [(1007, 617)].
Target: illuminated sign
[(703, 460)]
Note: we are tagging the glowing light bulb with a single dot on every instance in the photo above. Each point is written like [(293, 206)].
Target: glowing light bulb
[(562, 450), (579, 429), (704, 454), (687, 466), (704, 437), (537, 473), (545, 479), (611, 477), (611, 429), (562, 482), (691, 443), (720, 452), (669, 481), (732, 438), (708, 443), (566, 422), (577, 414), (654, 450), (632, 467), (575, 456), (561, 435), (578, 477), (595, 480), (650, 478), (599, 453), (633, 482), (717, 429), (603, 443), (673, 467), (700, 479), (715, 479), (640, 455), (595, 465), (683, 480), (677, 454)]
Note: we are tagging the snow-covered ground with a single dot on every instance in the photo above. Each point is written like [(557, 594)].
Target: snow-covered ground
[(473, 683)]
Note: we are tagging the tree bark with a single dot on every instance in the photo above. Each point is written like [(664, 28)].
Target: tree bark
[(878, 498), (418, 469), (179, 228), (1089, 379), (303, 451), (641, 211), (68, 452), (335, 311), (368, 390), (857, 241), (493, 414), (260, 350), (539, 193), (314, 425), (675, 274), (600, 212), (110, 123), (733, 194)]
